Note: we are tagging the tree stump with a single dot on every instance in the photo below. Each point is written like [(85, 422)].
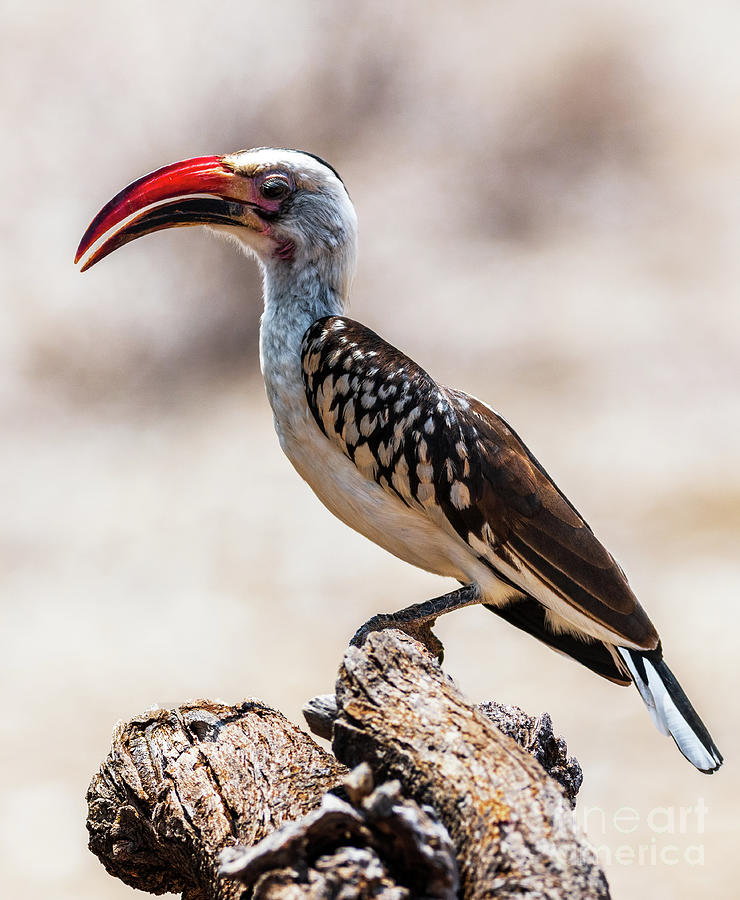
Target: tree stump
[(426, 795)]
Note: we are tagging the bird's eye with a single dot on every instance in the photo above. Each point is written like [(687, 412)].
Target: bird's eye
[(274, 188)]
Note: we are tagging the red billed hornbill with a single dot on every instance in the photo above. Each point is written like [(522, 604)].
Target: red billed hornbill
[(431, 474)]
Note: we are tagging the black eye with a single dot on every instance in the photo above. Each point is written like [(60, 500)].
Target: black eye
[(275, 187)]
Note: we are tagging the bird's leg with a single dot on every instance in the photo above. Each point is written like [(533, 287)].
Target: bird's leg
[(417, 620)]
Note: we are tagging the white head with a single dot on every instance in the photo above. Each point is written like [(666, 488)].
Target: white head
[(289, 208)]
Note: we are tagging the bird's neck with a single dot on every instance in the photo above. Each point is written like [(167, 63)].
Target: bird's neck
[(295, 296)]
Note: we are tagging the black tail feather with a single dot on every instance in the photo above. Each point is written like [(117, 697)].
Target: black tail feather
[(531, 616)]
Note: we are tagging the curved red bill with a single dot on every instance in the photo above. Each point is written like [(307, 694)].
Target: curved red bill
[(201, 175)]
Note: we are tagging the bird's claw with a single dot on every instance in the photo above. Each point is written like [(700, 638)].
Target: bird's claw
[(376, 623), (419, 631)]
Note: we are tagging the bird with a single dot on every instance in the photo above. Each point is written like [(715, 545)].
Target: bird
[(431, 474)]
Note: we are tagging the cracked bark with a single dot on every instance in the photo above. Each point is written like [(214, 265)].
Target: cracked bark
[(180, 785), (449, 799)]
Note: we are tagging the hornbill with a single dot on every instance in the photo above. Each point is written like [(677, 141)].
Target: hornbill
[(431, 474)]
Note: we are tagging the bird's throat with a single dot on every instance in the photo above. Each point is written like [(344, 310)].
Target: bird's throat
[(294, 300)]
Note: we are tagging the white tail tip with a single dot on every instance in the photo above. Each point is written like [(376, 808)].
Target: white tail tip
[(670, 708)]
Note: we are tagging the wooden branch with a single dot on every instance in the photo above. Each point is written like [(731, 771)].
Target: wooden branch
[(510, 822), (533, 733), (219, 802)]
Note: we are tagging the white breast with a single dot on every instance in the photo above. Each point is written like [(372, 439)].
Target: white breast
[(369, 509)]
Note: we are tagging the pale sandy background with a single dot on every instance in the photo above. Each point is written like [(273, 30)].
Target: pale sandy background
[(548, 198)]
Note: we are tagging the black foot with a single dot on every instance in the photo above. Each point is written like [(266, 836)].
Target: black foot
[(418, 620), (420, 631)]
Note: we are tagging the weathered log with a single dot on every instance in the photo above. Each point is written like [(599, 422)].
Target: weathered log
[(510, 822), (533, 733), (180, 785), (457, 798), (374, 844)]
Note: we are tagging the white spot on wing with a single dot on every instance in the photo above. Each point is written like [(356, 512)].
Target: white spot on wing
[(413, 416), (312, 364), (384, 454), (365, 461), (367, 425), (425, 493), (424, 473), (350, 435), (459, 495)]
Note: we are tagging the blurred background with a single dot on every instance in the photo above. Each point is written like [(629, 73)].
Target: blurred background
[(548, 203)]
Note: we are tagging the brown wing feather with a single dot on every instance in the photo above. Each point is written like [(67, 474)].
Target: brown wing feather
[(545, 531), (430, 445)]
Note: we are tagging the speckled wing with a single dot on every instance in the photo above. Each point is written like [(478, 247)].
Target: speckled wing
[(434, 447)]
